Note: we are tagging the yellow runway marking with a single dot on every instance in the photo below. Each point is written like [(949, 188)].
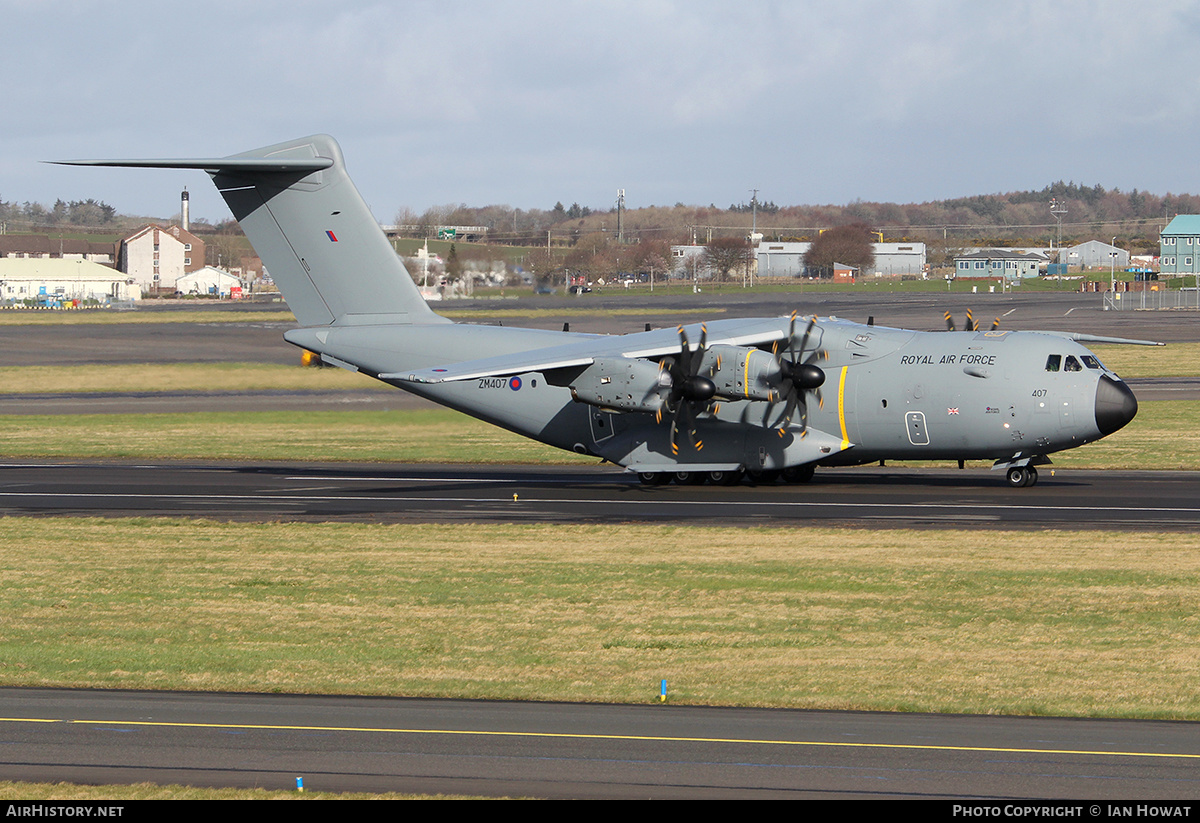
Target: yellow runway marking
[(582, 736)]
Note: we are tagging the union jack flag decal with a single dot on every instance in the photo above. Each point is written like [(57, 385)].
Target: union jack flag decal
[(952, 411)]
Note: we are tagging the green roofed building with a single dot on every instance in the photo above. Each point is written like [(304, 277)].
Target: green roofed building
[(1179, 246)]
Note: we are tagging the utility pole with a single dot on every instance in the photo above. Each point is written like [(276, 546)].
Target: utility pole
[(1058, 210), (753, 228)]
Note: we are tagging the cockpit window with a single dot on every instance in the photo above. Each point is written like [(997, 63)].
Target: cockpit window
[(1090, 361), (1053, 362), (1072, 364)]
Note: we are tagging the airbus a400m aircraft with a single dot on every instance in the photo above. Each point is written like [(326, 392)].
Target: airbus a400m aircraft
[(767, 396)]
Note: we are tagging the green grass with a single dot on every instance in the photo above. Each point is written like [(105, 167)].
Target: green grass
[(436, 435), (165, 377), (1163, 436), (1070, 623), (1174, 360)]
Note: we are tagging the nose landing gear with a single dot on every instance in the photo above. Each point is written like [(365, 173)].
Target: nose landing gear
[(1021, 476)]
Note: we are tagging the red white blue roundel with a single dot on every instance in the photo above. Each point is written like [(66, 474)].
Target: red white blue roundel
[(514, 383)]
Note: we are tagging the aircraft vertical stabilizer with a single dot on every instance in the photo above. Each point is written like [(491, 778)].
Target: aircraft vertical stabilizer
[(314, 233)]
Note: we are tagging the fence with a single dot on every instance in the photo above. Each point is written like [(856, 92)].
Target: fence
[(1173, 300)]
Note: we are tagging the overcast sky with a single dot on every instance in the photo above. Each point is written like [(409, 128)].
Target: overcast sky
[(535, 102)]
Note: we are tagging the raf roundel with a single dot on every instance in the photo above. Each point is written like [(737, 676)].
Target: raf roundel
[(515, 383)]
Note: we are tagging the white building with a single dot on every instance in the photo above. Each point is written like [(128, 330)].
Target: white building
[(42, 278), (209, 282), (786, 259), (155, 258)]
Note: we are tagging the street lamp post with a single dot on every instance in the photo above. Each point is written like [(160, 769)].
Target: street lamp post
[(1113, 269)]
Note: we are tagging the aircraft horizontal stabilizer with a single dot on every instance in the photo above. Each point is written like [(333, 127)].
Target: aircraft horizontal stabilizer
[(213, 164)]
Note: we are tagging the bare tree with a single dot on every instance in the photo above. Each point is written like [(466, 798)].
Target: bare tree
[(724, 254), (849, 245)]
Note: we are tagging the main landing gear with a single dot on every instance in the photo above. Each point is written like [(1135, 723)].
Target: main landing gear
[(792, 474)]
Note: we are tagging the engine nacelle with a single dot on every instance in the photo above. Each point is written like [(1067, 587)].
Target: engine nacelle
[(742, 373), (623, 384)]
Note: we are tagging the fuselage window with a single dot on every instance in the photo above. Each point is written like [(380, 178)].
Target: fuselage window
[(1053, 362), (1072, 364)]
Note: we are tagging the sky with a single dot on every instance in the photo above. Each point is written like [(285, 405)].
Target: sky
[(531, 103)]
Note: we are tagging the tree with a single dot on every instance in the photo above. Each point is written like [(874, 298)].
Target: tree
[(849, 245), (454, 266), (724, 254)]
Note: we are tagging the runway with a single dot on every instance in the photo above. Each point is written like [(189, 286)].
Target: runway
[(557, 750), (867, 496)]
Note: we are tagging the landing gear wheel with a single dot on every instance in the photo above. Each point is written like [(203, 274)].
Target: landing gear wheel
[(689, 478), (723, 478), (1021, 476), (653, 478), (799, 474)]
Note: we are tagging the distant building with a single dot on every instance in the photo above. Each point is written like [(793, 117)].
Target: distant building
[(1179, 246), (1094, 254), (1013, 265), (155, 257), (46, 246), (777, 259), (44, 278), (193, 248), (688, 259), (210, 282)]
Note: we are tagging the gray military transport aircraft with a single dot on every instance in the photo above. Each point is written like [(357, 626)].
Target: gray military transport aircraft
[(707, 402)]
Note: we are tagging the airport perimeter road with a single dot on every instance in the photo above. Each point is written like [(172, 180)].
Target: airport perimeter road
[(872, 495), (564, 750)]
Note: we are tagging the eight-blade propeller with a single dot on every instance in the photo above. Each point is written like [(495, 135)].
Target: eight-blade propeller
[(797, 377), (688, 389)]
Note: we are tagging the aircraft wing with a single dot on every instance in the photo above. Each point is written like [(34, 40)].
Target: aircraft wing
[(1081, 337), (645, 345)]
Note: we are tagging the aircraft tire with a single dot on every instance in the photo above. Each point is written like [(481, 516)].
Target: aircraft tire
[(1018, 477), (653, 478), (1031, 476), (686, 478), (720, 478)]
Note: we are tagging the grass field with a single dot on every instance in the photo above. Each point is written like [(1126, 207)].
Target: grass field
[(11, 790), (1162, 436), (1063, 623)]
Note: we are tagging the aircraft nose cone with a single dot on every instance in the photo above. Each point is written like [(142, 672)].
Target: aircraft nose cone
[(1115, 405)]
